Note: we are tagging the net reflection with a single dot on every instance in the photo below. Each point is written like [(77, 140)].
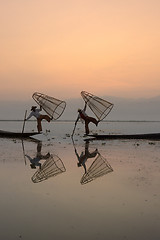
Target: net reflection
[(98, 168), (51, 166)]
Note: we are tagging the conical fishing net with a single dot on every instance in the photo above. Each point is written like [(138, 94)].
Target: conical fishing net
[(52, 106), (98, 168), (50, 168), (99, 106)]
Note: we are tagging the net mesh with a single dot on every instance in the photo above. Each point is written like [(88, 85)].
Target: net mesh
[(98, 168), (52, 106), (50, 168), (99, 106)]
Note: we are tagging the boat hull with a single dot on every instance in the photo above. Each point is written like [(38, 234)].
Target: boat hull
[(8, 134), (149, 136)]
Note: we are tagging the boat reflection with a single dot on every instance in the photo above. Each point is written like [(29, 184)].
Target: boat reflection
[(98, 168), (52, 165)]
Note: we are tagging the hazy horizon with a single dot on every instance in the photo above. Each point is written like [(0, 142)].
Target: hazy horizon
[(63, 47), (125, 109)]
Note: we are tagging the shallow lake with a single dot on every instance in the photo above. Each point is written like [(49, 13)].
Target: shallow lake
[(56, 188)]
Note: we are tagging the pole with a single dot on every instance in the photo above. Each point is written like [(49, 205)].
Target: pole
[(23, 153), (73, 130), (74, 127), (24, 120)]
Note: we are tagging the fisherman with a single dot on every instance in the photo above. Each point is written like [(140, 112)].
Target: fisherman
[(86, 119), (36, 113)]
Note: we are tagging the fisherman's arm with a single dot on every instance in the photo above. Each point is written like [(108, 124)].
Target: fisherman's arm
[(85, 169), (30, 115), (29, 158)]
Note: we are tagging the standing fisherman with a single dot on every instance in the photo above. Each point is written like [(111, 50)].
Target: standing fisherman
[(36, 113), (86, 119)]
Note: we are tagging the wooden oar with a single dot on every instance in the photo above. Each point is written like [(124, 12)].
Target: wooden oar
[(77, 120), (74, 130), (24, 153), (24, 120)]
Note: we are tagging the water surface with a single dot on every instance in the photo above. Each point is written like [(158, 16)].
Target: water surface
[(112, 194)]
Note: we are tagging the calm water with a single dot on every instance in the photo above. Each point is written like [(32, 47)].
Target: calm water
[(49, 190)]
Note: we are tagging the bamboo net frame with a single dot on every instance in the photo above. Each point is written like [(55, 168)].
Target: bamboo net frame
[(52, 106), (100, 107), (98, 168), (50, 168)]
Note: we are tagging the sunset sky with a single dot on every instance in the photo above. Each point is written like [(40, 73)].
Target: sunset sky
[(61, 47)]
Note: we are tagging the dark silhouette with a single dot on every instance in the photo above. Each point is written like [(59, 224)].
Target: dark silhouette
[(35, 161), (83, 157), (35, 112), (86, 119)]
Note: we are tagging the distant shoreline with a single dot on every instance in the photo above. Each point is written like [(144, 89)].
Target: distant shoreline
[(13, 120)]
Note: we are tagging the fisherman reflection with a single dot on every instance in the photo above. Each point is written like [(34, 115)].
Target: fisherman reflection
[(35, 161), (82, 158), (98, 167)]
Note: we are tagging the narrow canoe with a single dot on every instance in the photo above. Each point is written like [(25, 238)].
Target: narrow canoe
[(151, 136), (17, 134)]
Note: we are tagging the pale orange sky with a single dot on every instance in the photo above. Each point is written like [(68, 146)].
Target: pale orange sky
[(61, 47)]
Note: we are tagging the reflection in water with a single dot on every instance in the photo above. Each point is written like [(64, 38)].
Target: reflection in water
[(98, 168), (82, 158), (50, 168), (35, 161)]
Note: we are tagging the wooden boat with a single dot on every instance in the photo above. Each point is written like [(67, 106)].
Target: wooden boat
[(17, 134), (149, 136)]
